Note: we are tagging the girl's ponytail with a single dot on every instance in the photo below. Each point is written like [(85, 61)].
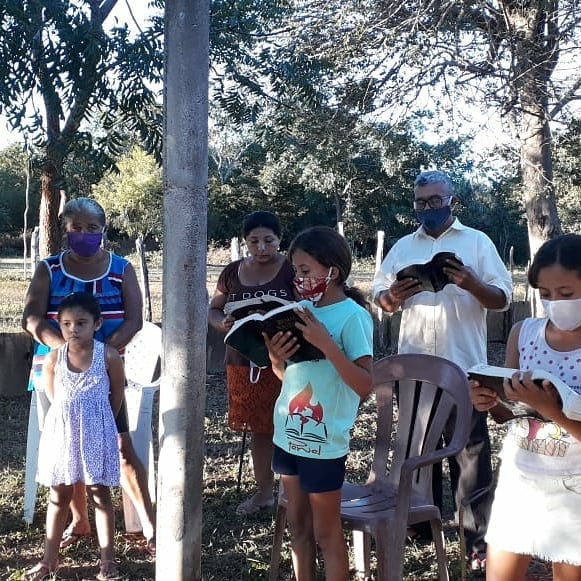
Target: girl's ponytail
[(357, 295)]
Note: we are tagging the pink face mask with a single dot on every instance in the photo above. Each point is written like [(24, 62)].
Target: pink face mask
[(312, 287)]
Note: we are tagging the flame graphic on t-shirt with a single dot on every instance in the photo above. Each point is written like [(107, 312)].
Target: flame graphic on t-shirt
[(301, 403), (304, 422)]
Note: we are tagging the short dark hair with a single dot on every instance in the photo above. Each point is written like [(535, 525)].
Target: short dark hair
[(81, 300), (261, 219), (564, 250)]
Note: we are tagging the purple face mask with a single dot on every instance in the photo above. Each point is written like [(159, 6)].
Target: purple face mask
[(85, 243)]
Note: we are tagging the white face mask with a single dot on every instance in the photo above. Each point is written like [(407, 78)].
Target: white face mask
[(565, 314)]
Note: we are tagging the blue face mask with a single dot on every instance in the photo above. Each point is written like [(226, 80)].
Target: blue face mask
[(85, 243), (434, 219)]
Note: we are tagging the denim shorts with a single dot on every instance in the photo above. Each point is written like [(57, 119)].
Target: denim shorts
[(315, 474)]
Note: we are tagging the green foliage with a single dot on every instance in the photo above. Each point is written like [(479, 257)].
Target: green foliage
[(84, 70), (13, 167), (256, 60), (325, 165), (133, 196), (568, 176)]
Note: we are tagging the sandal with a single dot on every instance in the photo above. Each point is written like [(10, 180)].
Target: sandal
[(108, 570), (39, 572), (478, 562), (71, 538), (253, 505), (150, 546)]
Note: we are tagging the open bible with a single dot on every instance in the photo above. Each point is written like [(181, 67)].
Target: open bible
[(430, 274), (493, 377), (246, 335), (245, 307)]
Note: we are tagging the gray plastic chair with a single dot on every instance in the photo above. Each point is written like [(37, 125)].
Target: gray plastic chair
[(398, 492)]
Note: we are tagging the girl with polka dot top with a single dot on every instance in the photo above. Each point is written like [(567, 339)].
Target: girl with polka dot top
[(537, 504)]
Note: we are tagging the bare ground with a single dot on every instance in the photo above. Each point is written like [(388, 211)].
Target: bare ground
[(233, 547)]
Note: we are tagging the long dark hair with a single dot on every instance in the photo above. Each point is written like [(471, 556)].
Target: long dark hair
[(564, 250), (261, 219), (329, 248)]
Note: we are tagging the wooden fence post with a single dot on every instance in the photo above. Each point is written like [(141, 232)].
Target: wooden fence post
[(140, 247), (380, 315), (34, 247), (234, 248)]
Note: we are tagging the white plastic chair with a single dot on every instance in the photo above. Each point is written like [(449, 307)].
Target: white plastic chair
[(142, 356), (32, 442)]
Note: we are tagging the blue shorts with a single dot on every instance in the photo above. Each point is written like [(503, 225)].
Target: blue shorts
[(315, 474)]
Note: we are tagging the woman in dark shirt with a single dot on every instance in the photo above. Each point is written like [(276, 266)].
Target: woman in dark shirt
[(251, 391)]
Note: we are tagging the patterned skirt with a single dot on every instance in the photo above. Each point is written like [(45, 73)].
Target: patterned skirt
[(251, 405)]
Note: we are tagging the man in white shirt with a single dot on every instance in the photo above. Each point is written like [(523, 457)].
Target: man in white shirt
[(450, 323)]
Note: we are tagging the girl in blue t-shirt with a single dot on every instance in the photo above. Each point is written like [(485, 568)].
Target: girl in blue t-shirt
[(319, 399)]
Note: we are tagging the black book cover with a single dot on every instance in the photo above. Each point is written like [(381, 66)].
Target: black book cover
[(493, 377), (245, 307), (246, 335), (430, 274)]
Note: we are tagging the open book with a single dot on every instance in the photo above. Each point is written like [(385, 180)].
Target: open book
[(430, 274), (493, 377), (246, 335), (245, 307)]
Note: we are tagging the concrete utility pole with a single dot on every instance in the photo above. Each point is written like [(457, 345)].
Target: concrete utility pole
[(182, 393)]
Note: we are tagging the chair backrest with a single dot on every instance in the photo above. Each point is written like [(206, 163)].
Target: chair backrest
[(428, 389), (142, 356)]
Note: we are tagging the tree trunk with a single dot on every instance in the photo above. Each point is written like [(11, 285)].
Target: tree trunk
[(537, 177), (182, 393), (50, 231), (535, 61)]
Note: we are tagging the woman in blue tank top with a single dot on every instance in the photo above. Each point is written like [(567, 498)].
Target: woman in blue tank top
[(86, 266)]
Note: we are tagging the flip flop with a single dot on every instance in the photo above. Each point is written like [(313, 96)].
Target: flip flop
[(39, 572), (252, 505), (150, 546), (70, 538)]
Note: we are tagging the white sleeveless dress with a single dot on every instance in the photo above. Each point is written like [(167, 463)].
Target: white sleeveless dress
[(79, 438)]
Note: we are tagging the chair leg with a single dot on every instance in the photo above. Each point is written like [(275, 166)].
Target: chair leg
[(241, 462), (140, 411), (382, 543), (390, 546), (361, 551), (279, 526), (463, 572), (438, 536), (32, 441)]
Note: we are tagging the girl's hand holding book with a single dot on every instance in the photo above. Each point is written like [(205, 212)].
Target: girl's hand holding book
[(313, 330), (483, 398), (543, 397), (228, 321), (281, 347)]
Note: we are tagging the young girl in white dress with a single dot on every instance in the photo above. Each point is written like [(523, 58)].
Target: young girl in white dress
[(537, 504), (84, 379)]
